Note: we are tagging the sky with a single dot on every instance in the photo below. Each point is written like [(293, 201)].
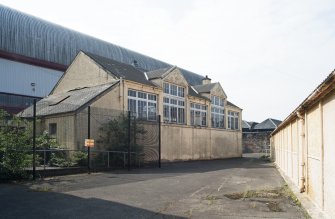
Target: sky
[(268, 55)]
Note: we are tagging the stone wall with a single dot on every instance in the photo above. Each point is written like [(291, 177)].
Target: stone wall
[(255, 142), (193, 143)]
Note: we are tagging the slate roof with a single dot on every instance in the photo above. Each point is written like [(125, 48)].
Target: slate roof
[(193, 93), (249, 125), (268, 124), (158, 73), (66, 102), (245, 125), (204, 88), (33, 37), (119, 69)]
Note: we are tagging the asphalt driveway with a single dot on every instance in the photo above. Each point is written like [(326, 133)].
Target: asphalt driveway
[(232, 188)]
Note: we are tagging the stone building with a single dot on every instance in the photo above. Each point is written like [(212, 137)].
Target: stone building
[(256, 136), (303, 146), (197, 120)]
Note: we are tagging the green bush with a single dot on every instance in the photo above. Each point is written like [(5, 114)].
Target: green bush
[(80, 158)]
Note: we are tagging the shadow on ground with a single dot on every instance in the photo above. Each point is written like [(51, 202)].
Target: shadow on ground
[(44, 204)]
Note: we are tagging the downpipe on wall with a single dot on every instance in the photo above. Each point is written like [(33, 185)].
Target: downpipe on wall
[(302, 145)]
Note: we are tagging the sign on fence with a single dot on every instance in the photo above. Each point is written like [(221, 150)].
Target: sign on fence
[(89, 143)]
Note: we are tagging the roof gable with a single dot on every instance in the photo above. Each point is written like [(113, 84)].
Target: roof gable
[(67, 102), (268, 124), (212, 88), (127, 72)]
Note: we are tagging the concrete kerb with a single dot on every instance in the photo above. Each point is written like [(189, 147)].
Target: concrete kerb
[(312, 209)]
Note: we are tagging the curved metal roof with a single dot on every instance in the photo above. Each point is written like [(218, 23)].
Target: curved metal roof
[(33, 37)]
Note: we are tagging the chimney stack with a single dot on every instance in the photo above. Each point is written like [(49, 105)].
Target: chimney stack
[(206, 80)]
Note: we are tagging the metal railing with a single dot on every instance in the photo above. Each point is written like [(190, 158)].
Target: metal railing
[(45, 154)]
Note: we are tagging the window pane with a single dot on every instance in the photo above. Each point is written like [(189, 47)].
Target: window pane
[(166, 100), (221, 102), (181, 115), (132, 106), (52, 128), (173, 101), (166, 112), (131, 93), (173, 89), (180, 91), (142, 109), (152, 97), (192, 117), (204, 119), (181, 103), (142, 95), (166, 88), (152, 111), (173, 114)]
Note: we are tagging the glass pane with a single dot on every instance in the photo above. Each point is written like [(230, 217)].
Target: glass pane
[(173, 89), (131, 93), (152, 111), (142, 109), (166, 88), (204, 119), (180, 91), (173, 114), (173, 101), (152, 97), (142, 95), (192, 117), (181, 116), (166, 113), (132, 106)]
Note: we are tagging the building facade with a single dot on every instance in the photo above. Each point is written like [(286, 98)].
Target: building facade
[(197, 121), (303, 146)]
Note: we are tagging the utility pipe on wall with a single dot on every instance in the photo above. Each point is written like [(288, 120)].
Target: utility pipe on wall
[(302, 150)]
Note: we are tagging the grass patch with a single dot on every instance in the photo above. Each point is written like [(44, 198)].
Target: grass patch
[(274, 207)]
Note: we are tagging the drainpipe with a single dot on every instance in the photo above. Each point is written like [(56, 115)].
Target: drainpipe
[(301, 150), (121, 93)]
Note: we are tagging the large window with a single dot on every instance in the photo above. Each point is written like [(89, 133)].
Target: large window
[(217, 112), (142, 105), (198, 114), (174, 103), (233, 120)]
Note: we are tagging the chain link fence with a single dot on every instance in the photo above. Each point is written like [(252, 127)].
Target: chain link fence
[(50, 140)]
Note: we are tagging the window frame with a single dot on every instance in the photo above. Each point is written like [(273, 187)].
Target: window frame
[(197, 108), (140, 98), (233, 120), (174, 104), (217, 112)]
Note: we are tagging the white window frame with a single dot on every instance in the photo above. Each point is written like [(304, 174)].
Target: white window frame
[(147, 100), (179, 104), (233, 120), (201, 110), (217, 111)]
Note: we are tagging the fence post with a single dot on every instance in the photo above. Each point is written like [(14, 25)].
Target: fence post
[(159, 141), (88, 136), (34, 140), (129, 140)]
